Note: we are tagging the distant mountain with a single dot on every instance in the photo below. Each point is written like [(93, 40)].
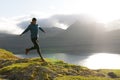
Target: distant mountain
[(83, 35), (85, 29), (50, 32), (16, 42), (113, 37), (80, 36), (83, 32)]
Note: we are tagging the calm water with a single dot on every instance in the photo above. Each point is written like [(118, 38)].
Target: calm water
[(92, 61)]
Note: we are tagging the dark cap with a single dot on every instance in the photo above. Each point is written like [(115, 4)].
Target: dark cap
[(34, 19)]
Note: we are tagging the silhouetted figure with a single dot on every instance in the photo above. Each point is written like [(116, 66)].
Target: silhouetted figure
[(33, 27)]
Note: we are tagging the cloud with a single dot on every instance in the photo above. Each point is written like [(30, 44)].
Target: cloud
[(61, 21), (49, 22), (9, 26), (16, 25)]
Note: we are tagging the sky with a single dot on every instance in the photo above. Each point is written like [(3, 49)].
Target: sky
[(104, 9), (13, 11), (11, 8)]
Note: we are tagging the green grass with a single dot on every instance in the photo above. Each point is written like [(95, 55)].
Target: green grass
[(10, 64), (17, 66), (106, 71), (83, 78), (58, 67), (7, 55)]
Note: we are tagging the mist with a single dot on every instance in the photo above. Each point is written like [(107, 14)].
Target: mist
[(9, 27), (60, 21), (16, 25)]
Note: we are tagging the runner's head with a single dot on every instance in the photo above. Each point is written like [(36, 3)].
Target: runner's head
[(34, 20)]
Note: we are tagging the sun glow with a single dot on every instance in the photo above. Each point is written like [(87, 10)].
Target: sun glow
[(103, 61), (103, 10)]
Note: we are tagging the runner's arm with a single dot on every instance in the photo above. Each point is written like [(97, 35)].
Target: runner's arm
[(41, 29), (26, 30)]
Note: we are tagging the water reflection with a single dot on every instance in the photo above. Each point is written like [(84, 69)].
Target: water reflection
[(92, 61), (102, 61)]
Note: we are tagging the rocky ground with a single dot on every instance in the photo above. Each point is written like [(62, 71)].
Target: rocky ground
[(14, 68)]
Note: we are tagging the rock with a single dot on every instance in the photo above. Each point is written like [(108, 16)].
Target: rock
[(112, 75), (22, 61), (5, 63)]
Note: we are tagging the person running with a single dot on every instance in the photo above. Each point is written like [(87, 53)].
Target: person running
[(33, 28)]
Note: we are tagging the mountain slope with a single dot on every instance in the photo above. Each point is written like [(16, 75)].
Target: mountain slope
[(85, 30), (80, 36), (15, 42), (83, 35), (7, 55)]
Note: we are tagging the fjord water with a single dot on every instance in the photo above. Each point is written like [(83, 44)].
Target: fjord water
[(92, 61)]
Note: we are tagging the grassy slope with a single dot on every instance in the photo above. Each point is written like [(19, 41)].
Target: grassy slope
[(105, 71), (11, 66), (83, 78), (7, 55)]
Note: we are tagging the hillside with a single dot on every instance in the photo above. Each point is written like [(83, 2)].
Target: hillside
[(81, 36), (33, 69), (84, 32), (7, 55)]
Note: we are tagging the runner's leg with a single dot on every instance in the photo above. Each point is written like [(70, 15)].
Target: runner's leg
[(36, 46)]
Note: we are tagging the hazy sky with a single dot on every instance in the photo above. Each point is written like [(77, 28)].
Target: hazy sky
[(105, 10), (13, 11), (26, 7)]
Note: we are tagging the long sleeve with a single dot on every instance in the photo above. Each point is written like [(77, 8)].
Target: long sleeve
[(26, 30), (41, 29)]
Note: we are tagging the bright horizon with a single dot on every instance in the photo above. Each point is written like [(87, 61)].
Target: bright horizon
[(102, 61)]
